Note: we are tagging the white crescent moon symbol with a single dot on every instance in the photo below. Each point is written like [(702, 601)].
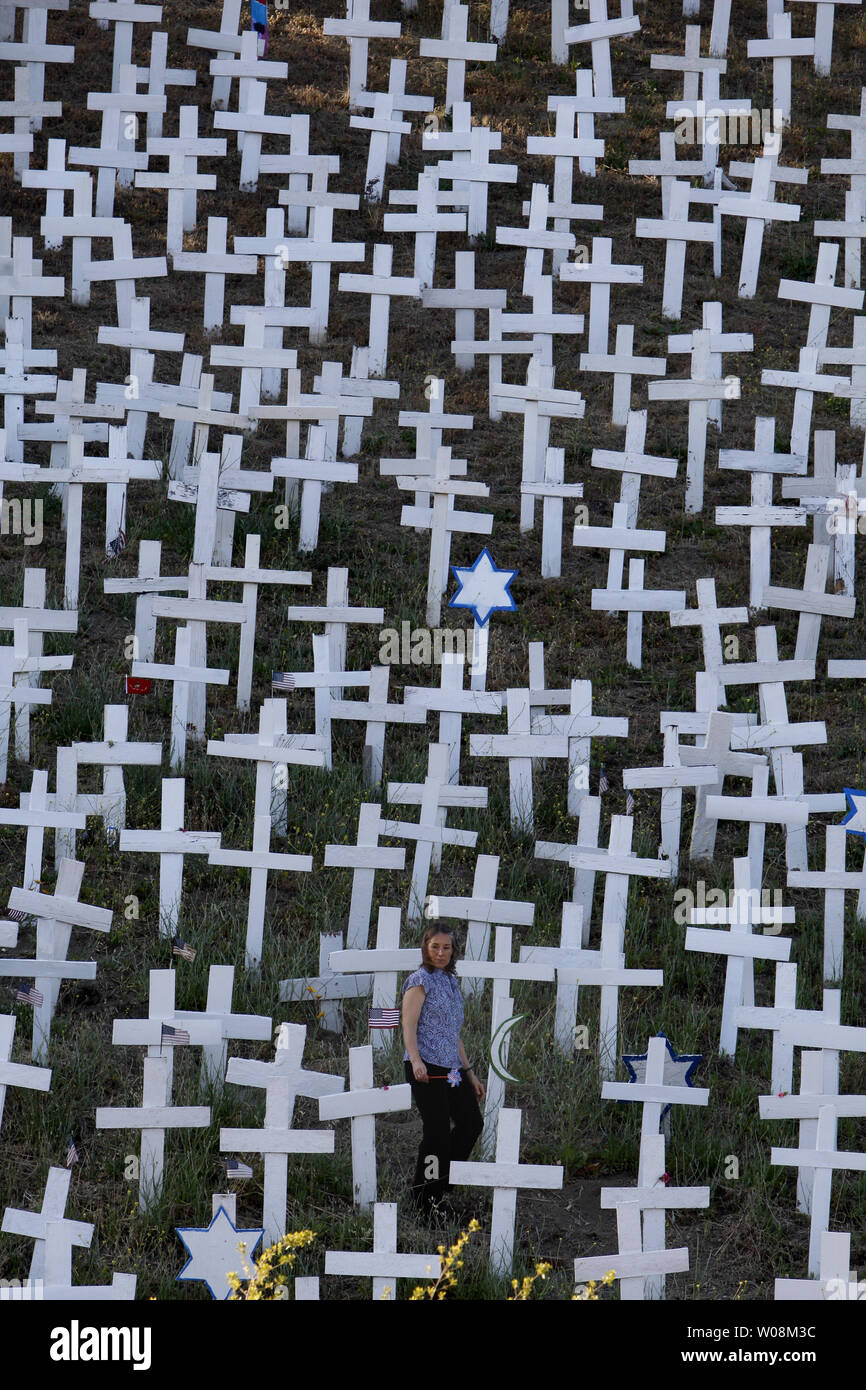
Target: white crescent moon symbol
[(496, 1043)]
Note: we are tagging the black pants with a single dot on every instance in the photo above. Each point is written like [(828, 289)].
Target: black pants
[(439, 1104)]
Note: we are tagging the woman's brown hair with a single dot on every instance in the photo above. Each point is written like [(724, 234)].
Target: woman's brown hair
[(434, 930)]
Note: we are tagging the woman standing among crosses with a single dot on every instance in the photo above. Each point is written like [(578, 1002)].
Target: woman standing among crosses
[(444, 1086)]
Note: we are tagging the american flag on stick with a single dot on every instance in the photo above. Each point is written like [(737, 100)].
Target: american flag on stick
[(629, 804), (236, 1169), (281, 680), (174, 1035), (27, 993), (15, 914), (384, 1018), (603, 784), (71, 1153), (180, 948)]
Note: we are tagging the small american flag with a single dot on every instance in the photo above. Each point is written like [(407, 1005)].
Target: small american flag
[(15, 914), (28, 994), (603, 784), (119, 543), (236, 1169), (71, 1153), (180, 948), (174, 1035), (629, 804), (281, 680), (384, 1018)]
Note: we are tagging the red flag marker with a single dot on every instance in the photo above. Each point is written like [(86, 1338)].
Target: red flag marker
[(137, 685)]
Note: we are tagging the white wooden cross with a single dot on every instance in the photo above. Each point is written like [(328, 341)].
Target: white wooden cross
[(358, 29), (215, 262), (481, 910), (360, 383), (361, 1103), (196, 611), (16, 384), (328, 988), (429, 426), (433, 796), (314, 471), (617, 538), (577, 968), (337, 617), (623, 365), (384, 126), (553, 490), (455, 48), (282, 1080), (825, 13), (506, 1175), (598, 33), (652, 1196), (783, 1011), (384, 1264), (115, 157), (426, 223), (536, 239), (823, 1161), (182, 674), (671, 778), (377, 713), (15, 1073), (782, 48), (668, 167), (538, 402), (635, 601), (574, 138), (677, 232), (124, 268), (835, 881), (33, 1225), (583, 888), (812, 602), (819, 1085), (158, 76), (758, 207), (520, 745), (631, 461), (218, 1009), (719, 344), (153, 1117), (382, 287), (443, 520), (855, 198), (821, 496), (822, 294), (250, 121), (452, 702), (224, 43), (471, 169), (740, 946), (700, 388), (380, 964), (182, 181), (23, 281), (465, 300), (619, 864), (38, 814), (580, 726), (634, 1266), (261, 861), (363, 858), (172, 842), (715, 752), (56, 913), (600, 273)]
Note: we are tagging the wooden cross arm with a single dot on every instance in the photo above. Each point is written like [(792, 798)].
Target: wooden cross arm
[(384, 126), (473, 523), (619, 538), (725, 943), (166, 841), (598, 976), (363, 857), (602, 861), (760, 211), (17, 1074), (634, 1265), (385, 1265), (518, 746), (316, 470), (766, 672), (671, 1198), (199, 610), (277, 1141), (831, 879), (195, 675), (118, 101), (513, 1175), (147, 1032), (430, 834), (242, 1027), (504, 970), (831, 295), (672, 230), (52, 908), (24, 695), (153, 1117), (119, 754), (499, 911), (261, 859), (139, 268), (798, 601), (50, 969), (770, 810), (590, 274), (373, 713), (819, 1158), (367, 29), (409, 222), (535, 240), (664, 1095), (664, 778), (353, 962), (65, 820), (633, 366), (638, 600), (573, 148), (412, 794), (805, 1107), (449, 49), (322, 987), (602, 29), (462, 702), (299, 614), (686, 390), (168, 181), (349, 1104)]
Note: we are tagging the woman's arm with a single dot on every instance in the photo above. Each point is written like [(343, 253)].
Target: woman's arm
[(413, 1002), (473, 1079)]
